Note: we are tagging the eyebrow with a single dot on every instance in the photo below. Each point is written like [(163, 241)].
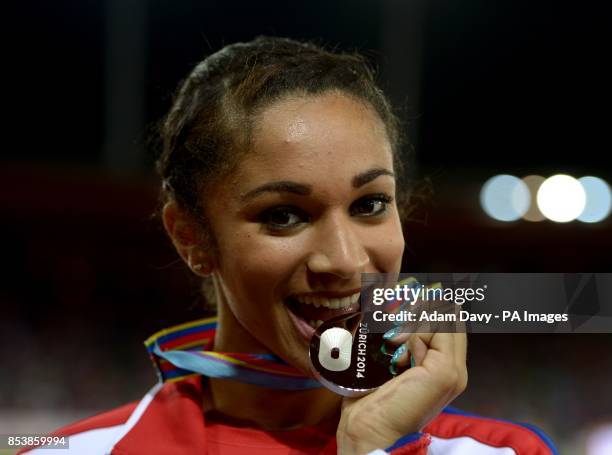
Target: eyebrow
[(287, 186), (368, 176), (284, 186)]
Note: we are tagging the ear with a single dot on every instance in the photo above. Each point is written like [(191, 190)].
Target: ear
[(185, 234)]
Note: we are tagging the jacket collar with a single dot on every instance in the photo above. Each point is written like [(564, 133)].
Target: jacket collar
[(168, 420)]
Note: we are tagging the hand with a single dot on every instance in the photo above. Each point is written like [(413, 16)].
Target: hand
[(409, 401)]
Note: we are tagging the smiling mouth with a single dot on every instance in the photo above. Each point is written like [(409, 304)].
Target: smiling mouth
[(316, 310)]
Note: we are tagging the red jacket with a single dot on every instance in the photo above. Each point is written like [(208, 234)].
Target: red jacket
[(169, 420)]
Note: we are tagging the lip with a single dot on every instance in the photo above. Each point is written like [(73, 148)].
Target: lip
[(327, 294)]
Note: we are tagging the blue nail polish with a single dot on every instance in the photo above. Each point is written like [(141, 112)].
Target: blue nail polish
[(411, 361), (392, 369), (392, 333), (409, 302), (398, 353), (383, 349)]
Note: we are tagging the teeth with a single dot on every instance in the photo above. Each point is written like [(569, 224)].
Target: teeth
[(345, 301), (315, 324), (330, 303)]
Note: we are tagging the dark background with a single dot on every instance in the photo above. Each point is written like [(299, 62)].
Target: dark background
[(484, 87)]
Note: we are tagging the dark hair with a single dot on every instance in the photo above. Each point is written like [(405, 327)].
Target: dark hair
[(211, 119)]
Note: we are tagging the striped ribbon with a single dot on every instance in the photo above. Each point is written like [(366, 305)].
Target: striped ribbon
[(181, 351)]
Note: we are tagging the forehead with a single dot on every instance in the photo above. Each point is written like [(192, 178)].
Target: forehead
[(314, 137)]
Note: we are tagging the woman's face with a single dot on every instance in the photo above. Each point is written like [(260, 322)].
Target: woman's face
[(310, 208)]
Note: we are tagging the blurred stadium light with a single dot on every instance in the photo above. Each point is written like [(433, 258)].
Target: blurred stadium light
[(561, 198), (598, 199), (505, 197)]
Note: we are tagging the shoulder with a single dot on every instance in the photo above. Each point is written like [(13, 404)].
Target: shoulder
[(168, 419), (96, 434), (464, 432)]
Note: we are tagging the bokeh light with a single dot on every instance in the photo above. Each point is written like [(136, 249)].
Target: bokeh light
[(505, 197), (598, 199), (599, 441), (561, 198), (533, 182)]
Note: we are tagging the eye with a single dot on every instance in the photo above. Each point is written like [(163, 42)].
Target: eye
[(371, 205), (278, 218)]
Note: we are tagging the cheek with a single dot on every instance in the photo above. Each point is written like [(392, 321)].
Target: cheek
[(387, 247), (257, 267)]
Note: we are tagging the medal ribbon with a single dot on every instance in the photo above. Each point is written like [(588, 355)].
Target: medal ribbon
[(181, 351)]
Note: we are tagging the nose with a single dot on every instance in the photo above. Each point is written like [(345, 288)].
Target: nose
[(338, 248)]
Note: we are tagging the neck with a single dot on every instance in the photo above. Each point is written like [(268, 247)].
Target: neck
[(250, 405)]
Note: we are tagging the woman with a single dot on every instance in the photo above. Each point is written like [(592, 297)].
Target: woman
[(280, 185)]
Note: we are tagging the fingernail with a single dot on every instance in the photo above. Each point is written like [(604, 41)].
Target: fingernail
[(409, 302), (411, 360), (398, 353), (383, 349), (392, 369), (392, 333)]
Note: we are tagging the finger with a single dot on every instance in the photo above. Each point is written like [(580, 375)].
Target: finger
[(460, 343), (452, 345), (400, 334), (418, 348), (412, 351), (399, 359), (461, 360), (434, 348), (397, 335), (415, 345)]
